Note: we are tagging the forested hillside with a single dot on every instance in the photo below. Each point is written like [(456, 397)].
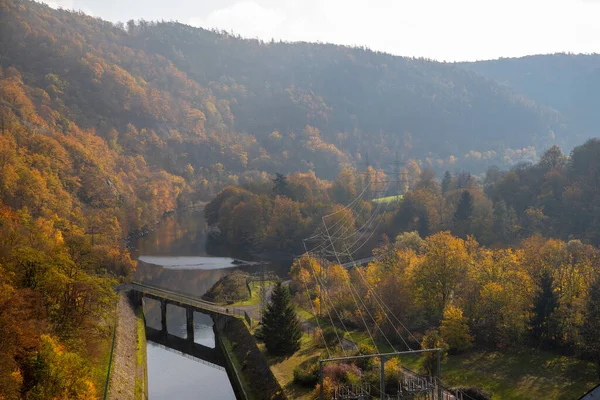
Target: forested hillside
[(506, 265), (231, 108), (105, 127), (556, 197), (359, 100), (570, 83)]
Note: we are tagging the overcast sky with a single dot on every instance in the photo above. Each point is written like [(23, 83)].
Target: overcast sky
[(441, 29)]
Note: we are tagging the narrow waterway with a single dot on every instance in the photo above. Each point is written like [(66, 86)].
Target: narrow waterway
[(174, 257)]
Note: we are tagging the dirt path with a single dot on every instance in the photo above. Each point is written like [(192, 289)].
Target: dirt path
[(254, 310), (122, 380)]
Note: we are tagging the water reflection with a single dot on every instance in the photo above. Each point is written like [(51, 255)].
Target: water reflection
[(179, 240), (189, 263), (176, 323), (180, 234), (174, 257), (174, 376)]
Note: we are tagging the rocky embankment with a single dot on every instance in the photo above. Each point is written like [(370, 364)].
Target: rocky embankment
[(125, 368)]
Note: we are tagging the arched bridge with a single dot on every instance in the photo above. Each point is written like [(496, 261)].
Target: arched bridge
[(219, 315)]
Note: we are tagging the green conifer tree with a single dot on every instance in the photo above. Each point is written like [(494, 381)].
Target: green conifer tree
[(281, 328), (446, 182)]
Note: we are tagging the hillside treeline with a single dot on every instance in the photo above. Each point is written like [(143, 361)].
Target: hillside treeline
[(104, 127), (556, 197), (511, 260), (66, 202), (542, 293), (569, 83), (216, 109)]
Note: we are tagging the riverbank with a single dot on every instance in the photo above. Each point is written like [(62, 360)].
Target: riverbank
[(128, 378)]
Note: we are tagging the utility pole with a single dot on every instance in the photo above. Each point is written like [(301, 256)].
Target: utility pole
[(263, 293), (395, 180), (382, 377), (383, 357), (92, 231), (439, 373), (366, 173), (321, 393), (397, 172)]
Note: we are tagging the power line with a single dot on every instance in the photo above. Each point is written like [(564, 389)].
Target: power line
[(326, 309), (330, 319), (360, 299), (388, 309), (321, 284), (373, 231), (370, 289), (372, 318), (378, 299), (353, 298), (352, 290), (383, 307), (349, 207), (357, 231), (316, 319)]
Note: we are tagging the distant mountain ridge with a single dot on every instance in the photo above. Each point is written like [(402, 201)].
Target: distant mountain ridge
[(180, 96), (570, 83)]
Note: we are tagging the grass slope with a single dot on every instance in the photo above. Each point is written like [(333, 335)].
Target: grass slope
[(254, 299), (528, 374), (283, 368), (237, 365), (388, 199), (141, 384)]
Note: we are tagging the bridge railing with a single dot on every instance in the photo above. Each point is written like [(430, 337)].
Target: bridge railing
[(186, 299)]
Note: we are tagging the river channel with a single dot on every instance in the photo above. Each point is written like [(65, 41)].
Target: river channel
[(174, 257)]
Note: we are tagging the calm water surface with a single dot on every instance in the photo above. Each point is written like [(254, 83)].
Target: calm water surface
[(173, 376), (174, 257)]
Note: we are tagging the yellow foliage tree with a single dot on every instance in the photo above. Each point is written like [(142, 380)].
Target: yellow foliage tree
[(442, 273), (454, 329)]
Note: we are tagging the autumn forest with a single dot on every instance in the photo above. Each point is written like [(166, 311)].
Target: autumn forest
[(491, 238)]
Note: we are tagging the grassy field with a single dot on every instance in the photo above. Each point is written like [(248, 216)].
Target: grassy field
[(388, 199), (524, 375), (529, 374), (101, 362), (141, 385), (283, 368), (254, 299)]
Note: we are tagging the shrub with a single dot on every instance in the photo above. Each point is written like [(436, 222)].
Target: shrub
[(475, 393), (306, 377), (365, 364), (330, 335), (393, 375), (342, 373), (317, 337), (328, 388)]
